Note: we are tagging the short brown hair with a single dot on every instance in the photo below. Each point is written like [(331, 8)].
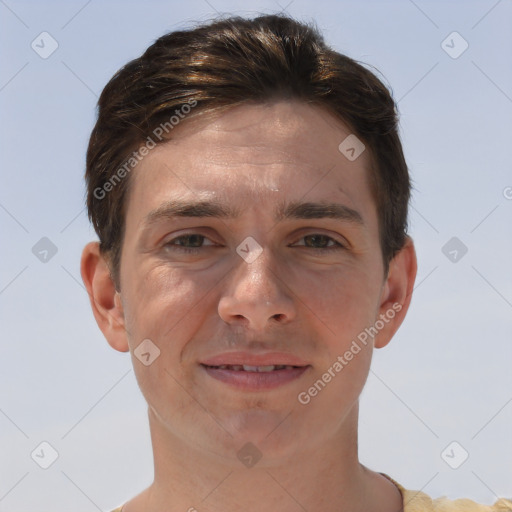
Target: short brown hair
[(227, 63)]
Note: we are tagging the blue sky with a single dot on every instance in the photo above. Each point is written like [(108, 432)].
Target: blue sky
[(445, 377)]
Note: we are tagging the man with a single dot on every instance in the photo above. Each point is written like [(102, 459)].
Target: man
[(250, 194)]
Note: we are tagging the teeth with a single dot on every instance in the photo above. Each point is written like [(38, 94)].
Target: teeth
[(259, 368), (247, 368)]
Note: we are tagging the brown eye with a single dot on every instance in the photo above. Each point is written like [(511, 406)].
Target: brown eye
[(192, 243), (320, 242), (189, 240)]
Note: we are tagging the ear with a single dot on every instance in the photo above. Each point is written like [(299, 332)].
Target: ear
[(105, 300), (396, 293)]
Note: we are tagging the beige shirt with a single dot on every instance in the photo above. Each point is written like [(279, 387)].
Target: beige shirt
[(417, 501)]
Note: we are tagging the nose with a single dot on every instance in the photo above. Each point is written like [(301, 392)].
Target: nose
[(255, 294)]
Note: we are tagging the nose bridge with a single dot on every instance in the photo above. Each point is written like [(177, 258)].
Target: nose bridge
[(255, 275), (254, 293)]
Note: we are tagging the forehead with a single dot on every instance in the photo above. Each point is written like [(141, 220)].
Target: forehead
[(253, 152), (281, 131)]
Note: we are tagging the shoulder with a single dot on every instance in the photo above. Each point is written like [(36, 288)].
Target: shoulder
[(417, 501)]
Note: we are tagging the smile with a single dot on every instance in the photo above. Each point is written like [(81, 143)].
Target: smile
[(255, 378), (247, 368)]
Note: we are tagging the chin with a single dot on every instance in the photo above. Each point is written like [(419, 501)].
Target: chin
[(267, 431)]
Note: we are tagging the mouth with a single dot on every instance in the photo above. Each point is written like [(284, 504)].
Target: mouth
[(258, 369), (255, 378)]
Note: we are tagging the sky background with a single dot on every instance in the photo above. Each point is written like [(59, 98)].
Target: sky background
[(445, 377)]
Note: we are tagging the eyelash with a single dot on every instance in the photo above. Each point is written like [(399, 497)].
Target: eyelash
[(195, 250)]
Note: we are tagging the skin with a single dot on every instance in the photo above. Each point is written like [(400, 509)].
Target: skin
[(296, 297)]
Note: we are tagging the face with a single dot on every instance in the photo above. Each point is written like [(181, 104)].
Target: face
[(252, 240)]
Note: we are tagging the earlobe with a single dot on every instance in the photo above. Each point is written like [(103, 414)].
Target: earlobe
[(396, 293), (105, 300)]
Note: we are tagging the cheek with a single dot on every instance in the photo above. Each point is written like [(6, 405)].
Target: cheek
[(333, 391), (162, 302), (344, 301), (163, 306)]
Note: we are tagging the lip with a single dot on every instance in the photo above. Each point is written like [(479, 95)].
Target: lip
[(255, 381), (253, 359)]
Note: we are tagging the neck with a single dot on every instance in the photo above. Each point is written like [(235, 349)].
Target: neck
[(326, 477)]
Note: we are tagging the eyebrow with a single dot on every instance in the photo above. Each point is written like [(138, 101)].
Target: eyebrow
[(294, 210)]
